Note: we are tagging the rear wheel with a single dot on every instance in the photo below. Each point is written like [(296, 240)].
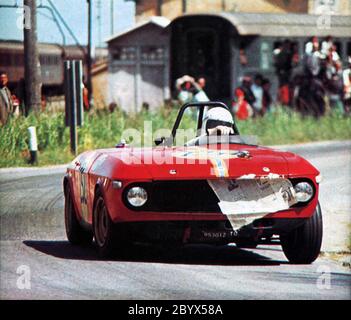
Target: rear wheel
[(76, 235), (303, 245)]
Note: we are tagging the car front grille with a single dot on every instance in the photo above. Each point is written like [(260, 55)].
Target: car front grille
[(194, 196)]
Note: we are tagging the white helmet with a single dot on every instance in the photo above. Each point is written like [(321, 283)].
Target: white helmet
[(218, 116)]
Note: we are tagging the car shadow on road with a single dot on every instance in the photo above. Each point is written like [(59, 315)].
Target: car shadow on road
[(191, 254)]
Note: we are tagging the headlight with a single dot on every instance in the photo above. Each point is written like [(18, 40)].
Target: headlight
[(137, 196), (304, 192)]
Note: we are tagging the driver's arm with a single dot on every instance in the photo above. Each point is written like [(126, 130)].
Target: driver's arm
[(220, 130)]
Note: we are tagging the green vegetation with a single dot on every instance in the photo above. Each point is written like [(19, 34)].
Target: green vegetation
[(103, 129)]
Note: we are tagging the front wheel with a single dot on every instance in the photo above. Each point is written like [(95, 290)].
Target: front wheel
[(303, 245), (110, 238)]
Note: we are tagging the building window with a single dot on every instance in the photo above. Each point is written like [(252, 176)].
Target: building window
[(152, 53), (18, 59), (265, 56), (124, 54), (5, 59)]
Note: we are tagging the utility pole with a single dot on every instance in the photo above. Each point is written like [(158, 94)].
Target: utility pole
[(184, 6), (89, 54), (32, 71), (98, 5), (112, 18), (159, 7)]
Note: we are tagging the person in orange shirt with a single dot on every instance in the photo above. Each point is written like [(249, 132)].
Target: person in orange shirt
[(241, 107)]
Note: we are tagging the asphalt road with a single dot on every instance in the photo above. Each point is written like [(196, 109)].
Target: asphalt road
[(32, 235)]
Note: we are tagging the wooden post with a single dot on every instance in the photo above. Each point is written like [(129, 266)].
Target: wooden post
[(32, 70), (89, 55), (112, 17)]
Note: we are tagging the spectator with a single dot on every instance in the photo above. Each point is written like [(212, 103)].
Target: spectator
[(85, 95), (312, 90), (327, 45), (243, 57), (334, 54), (312, 45), (295, 55), (246, 88), (20, 92), (336, 88), (267, 98), (328, 48), (312, 58), (347, 87), (201, 95), (6, 103), (186, 87), (257, 90), (277, 51), (202, 83), (283, 66), (241, 107)]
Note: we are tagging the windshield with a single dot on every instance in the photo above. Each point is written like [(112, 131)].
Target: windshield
[(206, 123), (231, 139)]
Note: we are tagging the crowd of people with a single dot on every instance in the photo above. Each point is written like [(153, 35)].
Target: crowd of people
[(310, 84), (314, 81)]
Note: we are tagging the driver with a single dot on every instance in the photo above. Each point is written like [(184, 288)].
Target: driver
[(218, 121)]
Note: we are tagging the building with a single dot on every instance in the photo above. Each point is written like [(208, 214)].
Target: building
[(138, 73), (145, 61), (174, 8)]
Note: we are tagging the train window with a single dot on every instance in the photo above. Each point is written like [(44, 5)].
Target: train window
[(18, 59), (124, 54), (5, 59), (43, 60)]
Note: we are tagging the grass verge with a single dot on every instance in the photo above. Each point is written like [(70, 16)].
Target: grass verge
[(103, 130)]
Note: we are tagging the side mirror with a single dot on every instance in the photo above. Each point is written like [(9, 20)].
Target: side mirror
[(160, 141)]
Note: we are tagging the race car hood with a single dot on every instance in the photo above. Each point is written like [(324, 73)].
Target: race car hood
[(191, 163)]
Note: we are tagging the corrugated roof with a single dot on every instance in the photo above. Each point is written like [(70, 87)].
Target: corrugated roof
[(298, 25)]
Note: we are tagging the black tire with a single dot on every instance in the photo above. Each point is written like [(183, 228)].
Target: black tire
[(303, 245), (246, 244), (76, 234), (109, 238)]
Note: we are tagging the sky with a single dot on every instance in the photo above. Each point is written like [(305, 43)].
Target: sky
[(75, 14)]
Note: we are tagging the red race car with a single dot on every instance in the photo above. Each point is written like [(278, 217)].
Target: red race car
[(216, 189)]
